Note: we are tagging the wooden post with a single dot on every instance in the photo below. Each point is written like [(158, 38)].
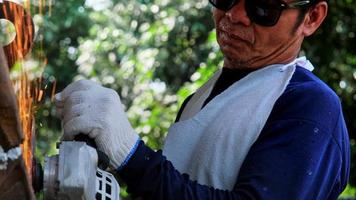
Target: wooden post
[(10, 127), (14, 180)]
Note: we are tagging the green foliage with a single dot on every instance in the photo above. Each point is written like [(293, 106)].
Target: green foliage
[(56, 42), (348, 193), (157, 52), (146, 52)]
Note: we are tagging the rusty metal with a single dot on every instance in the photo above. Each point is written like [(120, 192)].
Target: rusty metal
[(25, 31)]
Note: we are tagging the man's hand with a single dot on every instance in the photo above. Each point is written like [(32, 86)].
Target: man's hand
[(88, 108)]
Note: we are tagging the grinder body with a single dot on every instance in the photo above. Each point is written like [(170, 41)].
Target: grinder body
[(73, 174)]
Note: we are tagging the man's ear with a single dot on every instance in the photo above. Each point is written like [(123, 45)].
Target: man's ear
[(314, 17)]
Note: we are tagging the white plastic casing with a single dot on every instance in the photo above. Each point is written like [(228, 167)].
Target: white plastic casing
[(77, 171)]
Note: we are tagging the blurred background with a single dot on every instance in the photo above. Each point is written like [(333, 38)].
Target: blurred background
[(157, 52)]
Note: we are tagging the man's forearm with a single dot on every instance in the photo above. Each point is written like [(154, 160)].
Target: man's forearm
[(149, 175)]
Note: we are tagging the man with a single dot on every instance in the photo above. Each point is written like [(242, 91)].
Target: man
[(263, 127)]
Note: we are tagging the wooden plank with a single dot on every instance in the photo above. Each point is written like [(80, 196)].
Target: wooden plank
[(15, 183), (10, 127)]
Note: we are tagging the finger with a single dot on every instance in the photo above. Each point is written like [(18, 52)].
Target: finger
[(81, 85), (94, 133), (73, 112), (65, 137), (77, 97), (78, 125), (59, 112), (58, 102)]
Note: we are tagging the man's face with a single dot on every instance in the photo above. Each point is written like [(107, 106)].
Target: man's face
[(248, 45)]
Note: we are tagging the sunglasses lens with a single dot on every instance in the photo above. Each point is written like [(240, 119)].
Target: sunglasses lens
[(263, 12), (224, 5)]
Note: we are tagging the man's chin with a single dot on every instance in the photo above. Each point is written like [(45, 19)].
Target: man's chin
[(236, 63)]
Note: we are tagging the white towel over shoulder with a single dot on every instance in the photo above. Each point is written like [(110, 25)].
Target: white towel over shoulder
[(210, 144)]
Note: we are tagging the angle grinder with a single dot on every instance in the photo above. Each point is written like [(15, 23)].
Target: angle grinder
[(77, 172)]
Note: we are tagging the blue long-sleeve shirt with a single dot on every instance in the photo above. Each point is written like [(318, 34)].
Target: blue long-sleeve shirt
[(302, 153)]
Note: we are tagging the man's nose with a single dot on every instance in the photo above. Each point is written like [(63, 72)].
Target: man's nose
[(237, 14)]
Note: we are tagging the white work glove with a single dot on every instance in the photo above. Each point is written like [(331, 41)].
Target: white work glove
[(88, 108)]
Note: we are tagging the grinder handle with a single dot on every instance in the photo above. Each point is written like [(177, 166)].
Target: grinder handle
[(103, 159)]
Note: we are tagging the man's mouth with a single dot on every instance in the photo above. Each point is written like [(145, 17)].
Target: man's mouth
[(235, 37), (237, 33)]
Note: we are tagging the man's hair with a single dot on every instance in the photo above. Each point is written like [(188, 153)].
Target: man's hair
[(304, 10)]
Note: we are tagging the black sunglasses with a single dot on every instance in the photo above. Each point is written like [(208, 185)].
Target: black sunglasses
[(261, 12)]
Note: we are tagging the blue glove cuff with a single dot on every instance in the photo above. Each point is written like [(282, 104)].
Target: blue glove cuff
[(133, 150)]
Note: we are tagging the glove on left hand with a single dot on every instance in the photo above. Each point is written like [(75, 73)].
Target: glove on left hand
[(87, 107)]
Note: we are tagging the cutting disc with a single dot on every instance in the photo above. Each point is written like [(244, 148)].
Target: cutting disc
[(24, 27)]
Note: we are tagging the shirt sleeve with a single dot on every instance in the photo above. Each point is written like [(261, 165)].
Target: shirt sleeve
[(150, 175), (294, 167)]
